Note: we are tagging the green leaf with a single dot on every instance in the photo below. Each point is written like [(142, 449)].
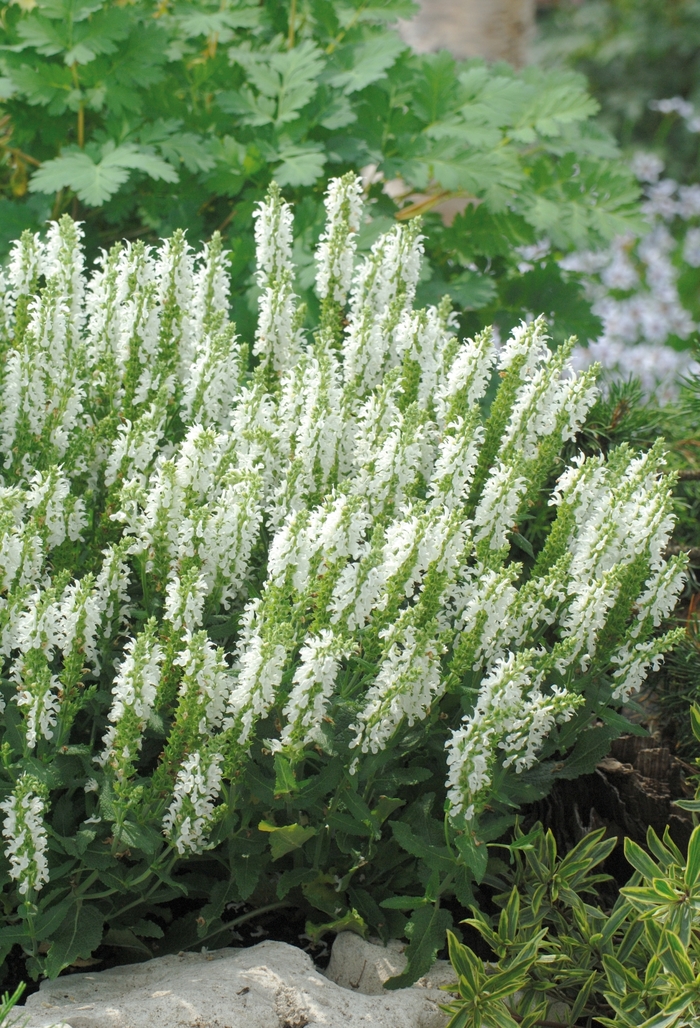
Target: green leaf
[(298, 70), (300, 164), (436, 857), (285, 779), (341, 822), (321, 892), (692, 870), (289, 880), (79, 935), (474, 853), (385, 807), (92, 182), (675, 958), (593, 744), (426, 930), (403, 902), (287, 838), (640, 860), (125, 938), (148, 929), (221, 894), (246, 869), (695, 720), (582, 997), (350, 922), (366, 62), (142, 837)]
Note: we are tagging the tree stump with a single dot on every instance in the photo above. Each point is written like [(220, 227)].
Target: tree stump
[(499, 30)]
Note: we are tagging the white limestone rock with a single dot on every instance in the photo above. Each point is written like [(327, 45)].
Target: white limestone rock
[(365, 966), (271, 985)]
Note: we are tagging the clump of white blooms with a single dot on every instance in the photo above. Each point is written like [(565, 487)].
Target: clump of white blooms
[(311, 548), (25, 836), (336, 247)]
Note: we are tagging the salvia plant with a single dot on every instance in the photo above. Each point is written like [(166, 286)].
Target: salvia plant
[(562, 959), (295, 621)]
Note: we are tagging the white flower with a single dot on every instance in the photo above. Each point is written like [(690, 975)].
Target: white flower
[(25, 834), (456, 462), (313, 684), (206, 679), (38, 695), (499, 505), (336, 247), (406, 683), (468, 376), (526, 348), (133, 697), (184, 602), (512, 714), (188, 819), (277, 338)]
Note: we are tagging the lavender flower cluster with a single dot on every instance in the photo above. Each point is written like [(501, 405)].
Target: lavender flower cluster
[(633, 285)]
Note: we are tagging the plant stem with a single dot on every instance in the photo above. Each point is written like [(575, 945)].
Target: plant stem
[(292, 24)]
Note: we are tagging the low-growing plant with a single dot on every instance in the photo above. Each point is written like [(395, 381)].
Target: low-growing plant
[(8, 1002), (561, 959), (297, 621), (140, 118)]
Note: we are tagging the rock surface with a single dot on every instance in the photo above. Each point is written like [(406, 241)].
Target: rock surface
[(271, 985), (365, 966)]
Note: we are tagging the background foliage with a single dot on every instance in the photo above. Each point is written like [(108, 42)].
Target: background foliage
[(633, 52), (141, 118)]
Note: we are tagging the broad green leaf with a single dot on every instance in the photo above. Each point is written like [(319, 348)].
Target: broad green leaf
[(298, 69), (366, 62), (95, 182), (246, 869), (285, 779), (286, 838), (350, 922), (474, 854), (142, 837), (148, 929), (289, 880), (436, 857), (300, 165), (79, 935), (125, 938), (593, 744), (341, 822), (426, 930)]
